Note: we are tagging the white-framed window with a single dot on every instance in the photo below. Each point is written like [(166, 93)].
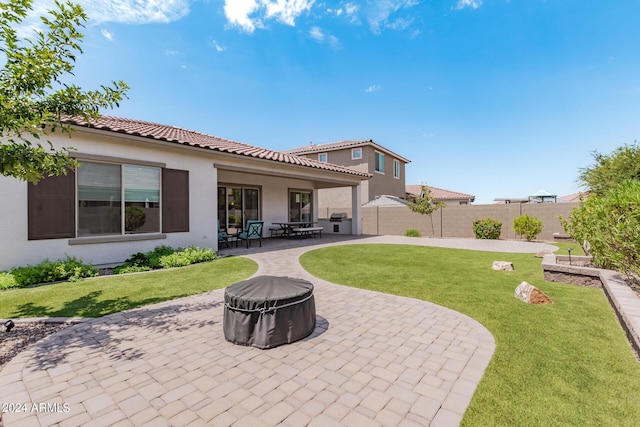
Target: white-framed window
[(379, 162), (463, 203), (356, 153), (323, 157), (396, 169), (115, 199)]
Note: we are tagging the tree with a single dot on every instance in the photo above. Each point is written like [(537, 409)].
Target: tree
[(425, 205), (609, 170), (34, 97), (530, 226)]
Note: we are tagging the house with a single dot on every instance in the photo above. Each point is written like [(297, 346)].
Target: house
[(440, 195), (141, 185), (386, 168), (573, 198)]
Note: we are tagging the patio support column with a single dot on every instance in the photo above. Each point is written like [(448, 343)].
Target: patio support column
[(356, 210)]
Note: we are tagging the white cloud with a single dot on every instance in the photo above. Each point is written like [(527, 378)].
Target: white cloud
[(106, 34), (217, 46), (169, 52), (318, 35), (474, 4), (373, 88), (238, 11), (250, 14), (121, 11), (379, 13)]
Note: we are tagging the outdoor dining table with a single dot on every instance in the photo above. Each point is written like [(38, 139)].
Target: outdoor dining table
[(287, 227)]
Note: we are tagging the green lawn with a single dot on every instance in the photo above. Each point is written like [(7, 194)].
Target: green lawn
[(105, 295), (567, 363), (576, 249)]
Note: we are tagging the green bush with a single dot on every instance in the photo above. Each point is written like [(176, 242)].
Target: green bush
[(610, 227), (70, 269), (164, 257), (7, 281), (412, 232), (487, 228), (188, 256), (529, 226)]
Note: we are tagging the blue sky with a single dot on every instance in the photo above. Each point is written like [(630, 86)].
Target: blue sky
[(496, 98)]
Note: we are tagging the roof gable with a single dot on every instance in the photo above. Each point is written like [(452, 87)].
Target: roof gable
[(192, 138), (438, 193), (343, 145)]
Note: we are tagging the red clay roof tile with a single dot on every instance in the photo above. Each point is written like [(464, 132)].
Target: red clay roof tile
[(196, 139)]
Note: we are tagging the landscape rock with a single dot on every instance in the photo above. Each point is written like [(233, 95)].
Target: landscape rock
[(502, 265), (541, 254), (528, 293)]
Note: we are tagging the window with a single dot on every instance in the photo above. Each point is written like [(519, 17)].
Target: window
[(109, 200), (237, 205), (356, 153), (300, 209), (322, 157), (396, 169), (379, 166), (118, 199), (464, 203)]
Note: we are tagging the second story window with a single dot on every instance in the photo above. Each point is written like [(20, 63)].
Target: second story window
[(396, 169), (322, 157), (356, 153), (379, 166)]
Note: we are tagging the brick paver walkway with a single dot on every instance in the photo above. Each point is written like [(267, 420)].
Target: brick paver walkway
[(374, 359)]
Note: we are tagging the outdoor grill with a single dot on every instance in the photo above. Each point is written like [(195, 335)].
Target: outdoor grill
[(338, 217)]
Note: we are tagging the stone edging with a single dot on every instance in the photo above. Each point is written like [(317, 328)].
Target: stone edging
[(624, 301)]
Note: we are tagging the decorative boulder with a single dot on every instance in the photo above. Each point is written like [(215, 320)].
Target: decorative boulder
[(530, 294), (542, 254), (502, 265)]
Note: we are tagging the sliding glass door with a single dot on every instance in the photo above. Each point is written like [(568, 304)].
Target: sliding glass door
[(300, 209), (237, 205)]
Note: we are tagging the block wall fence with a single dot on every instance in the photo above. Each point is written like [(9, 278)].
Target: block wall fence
[(457, 221)]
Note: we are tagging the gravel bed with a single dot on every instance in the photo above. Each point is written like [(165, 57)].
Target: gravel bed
[(23, 335)]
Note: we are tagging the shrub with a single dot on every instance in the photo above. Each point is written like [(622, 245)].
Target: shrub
[(529, 226), (412, 232), (610, 225), (487, 228), (70, 269), (7, 281), (164, 257), (188, 256)]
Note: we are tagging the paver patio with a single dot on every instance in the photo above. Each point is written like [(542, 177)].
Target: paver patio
[(374, 359)]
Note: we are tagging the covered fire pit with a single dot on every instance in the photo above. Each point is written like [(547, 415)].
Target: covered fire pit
[(268, 311)]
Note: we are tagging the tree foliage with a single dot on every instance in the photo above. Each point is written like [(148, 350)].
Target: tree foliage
[(34, 96), (609, 170), (425, 205), (529, 226), (610, 225)]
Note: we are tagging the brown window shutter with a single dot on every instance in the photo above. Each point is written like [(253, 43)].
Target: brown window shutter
[(175, 200), (51, 207)]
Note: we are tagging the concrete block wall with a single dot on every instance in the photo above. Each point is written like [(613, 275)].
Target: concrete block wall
[(457, 221)]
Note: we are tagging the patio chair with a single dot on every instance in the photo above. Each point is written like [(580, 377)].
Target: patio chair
[(223, 236), (252, 231)]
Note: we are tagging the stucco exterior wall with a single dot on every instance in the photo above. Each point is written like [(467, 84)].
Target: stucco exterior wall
[(16, 250), (339, 199)]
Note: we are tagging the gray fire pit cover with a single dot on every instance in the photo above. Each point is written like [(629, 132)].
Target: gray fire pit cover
[(267, 311)]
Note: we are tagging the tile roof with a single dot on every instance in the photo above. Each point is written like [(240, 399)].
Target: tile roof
[(340, 145), (192, 138), (575, 197), (386, 201), (438, 193)]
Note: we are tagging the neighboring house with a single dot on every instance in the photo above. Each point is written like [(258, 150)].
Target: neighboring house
[(386, 168), (143, 184), (440, 195), (573, 198)]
